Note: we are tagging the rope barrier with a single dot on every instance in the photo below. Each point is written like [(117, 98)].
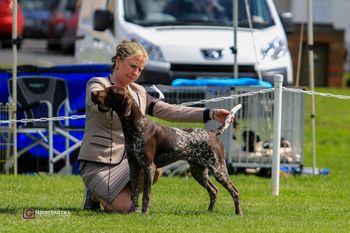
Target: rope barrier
[(235, 96), (316, 93)]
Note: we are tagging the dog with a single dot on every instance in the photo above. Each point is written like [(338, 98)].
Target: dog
[(150, 145), (250, 139)]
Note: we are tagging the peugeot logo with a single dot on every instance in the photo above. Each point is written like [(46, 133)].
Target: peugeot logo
[(212, 54)]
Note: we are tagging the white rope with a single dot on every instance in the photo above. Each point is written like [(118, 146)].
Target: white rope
[(234, 96), (316, 93)]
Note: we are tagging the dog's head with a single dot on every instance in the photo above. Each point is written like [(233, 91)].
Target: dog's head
[(116, 98), (250, 139), (285, 143)]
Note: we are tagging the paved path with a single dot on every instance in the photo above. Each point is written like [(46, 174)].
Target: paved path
[(34, 52)]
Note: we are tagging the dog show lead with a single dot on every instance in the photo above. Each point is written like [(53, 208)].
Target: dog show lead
[(103, 163)]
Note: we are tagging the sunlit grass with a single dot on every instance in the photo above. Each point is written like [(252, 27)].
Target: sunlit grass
[(305, 204)]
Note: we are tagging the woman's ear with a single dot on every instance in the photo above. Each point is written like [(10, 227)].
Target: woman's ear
[(117, 63)]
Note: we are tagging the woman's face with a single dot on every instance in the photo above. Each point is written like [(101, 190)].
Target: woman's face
[(128, 70)]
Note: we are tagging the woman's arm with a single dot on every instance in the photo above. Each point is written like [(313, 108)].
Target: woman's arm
[(160, 109)]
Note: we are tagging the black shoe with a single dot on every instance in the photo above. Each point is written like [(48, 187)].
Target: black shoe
[(89, 204)]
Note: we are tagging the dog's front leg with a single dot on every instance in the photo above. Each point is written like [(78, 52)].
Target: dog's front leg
[(149, 171), (134, 184)]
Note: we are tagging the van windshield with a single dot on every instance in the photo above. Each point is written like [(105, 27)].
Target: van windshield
[(149, 13)]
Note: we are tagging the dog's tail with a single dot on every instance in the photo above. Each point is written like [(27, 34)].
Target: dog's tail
[(227, 122)]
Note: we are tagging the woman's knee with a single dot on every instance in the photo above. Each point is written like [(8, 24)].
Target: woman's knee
[(121, 203)]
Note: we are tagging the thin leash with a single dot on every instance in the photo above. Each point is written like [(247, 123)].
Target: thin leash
[(110, 159), (110, 152)]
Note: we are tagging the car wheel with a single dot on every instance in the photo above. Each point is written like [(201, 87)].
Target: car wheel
[(53, 45), (6, 43)]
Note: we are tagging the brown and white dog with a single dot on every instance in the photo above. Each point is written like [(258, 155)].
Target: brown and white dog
[(150, 145)]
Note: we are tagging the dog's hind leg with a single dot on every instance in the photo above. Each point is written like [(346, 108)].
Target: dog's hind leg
[(200, 174), (221, 175)]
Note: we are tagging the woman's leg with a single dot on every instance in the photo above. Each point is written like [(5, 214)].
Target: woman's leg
[(122, 202)]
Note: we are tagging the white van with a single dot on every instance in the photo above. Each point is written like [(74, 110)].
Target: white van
[(188, 38)]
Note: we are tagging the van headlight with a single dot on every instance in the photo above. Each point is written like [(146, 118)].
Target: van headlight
[(154, 52), (274, 50)]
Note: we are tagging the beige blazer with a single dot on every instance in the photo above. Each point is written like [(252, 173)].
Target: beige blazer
[(103, 136)]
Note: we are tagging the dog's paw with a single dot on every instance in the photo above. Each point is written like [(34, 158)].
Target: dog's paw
[(144, 211), (134, 209)]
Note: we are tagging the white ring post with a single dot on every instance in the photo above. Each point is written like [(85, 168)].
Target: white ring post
[(310, 39), (14, 84), (235, 26), (276, 134)]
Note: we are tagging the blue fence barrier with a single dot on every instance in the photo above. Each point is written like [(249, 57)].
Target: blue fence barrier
[(76, 77), (238, 82)]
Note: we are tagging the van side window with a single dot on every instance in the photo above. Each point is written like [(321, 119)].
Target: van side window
[(110, 6)]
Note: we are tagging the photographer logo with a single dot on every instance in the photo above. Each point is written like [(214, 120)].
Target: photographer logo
[(28, 214)]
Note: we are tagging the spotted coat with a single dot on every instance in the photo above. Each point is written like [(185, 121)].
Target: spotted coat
[(150, 145)]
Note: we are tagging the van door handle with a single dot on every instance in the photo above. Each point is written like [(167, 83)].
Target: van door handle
[(96, 39)]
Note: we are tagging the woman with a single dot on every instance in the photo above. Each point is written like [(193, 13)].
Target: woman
[(103, 164)]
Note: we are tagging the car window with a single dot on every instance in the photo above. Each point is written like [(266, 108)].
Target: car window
[(38, 4)]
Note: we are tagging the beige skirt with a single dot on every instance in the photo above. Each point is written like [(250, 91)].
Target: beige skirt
[(106, 180)]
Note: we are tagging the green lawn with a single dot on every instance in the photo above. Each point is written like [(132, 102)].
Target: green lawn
[(305, 203)]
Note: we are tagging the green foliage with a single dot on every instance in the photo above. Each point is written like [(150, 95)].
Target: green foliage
[(332, 131), (305, 204)]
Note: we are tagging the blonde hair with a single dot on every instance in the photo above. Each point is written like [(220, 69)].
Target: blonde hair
[(128, 49)]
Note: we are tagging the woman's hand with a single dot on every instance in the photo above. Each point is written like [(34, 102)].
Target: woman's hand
[(220, 115)]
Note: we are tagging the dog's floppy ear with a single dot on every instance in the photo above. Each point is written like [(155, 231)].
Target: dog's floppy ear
[(94, 98), (127, 109), (258, 139)]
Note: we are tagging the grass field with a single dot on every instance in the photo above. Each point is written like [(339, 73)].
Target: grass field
[(305, 203)]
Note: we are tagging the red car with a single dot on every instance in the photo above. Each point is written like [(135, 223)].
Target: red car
[(6, 22), (69, 37), (62, 25)]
